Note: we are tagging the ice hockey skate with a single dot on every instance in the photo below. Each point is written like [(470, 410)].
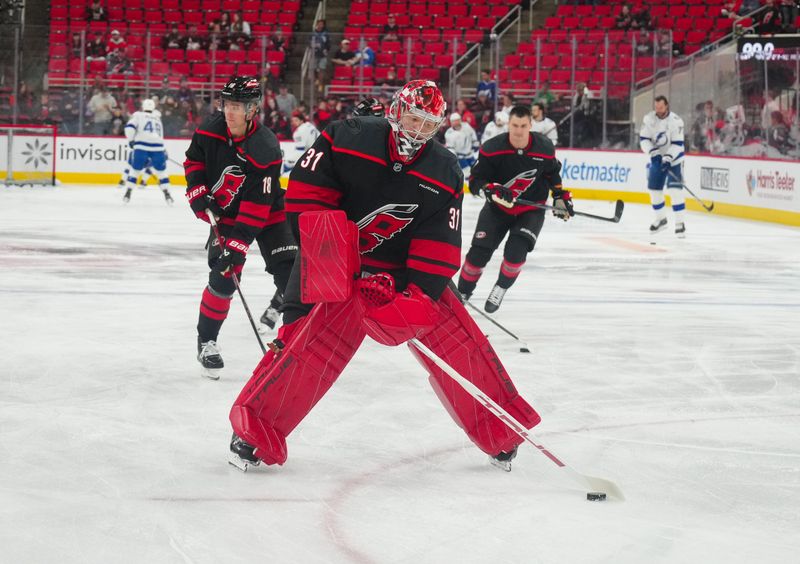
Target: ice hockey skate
[(210, 359), (658, 225), (242, 455), (269, 319), (127, 197), (503, 460), (495, 299), (168, 197), (680, 230)]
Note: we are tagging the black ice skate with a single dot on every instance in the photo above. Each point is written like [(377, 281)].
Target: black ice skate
[(658, 225), (209, 357), (495, 299), (242, 454), (270, 317), (680, 230), (503, 460), (127, 197), (168, 197)]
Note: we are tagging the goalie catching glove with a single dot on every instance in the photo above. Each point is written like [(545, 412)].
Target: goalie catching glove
[(562, 204), (392, 318)]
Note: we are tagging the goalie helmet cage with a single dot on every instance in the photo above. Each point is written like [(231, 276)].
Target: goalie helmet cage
[(27, 154)]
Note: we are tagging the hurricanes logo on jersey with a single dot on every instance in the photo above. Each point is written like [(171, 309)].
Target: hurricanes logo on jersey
[(382, 224), (228, 185)]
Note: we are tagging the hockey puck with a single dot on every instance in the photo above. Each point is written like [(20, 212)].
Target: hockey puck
[(595, 496), (652, 242), (524, 349)]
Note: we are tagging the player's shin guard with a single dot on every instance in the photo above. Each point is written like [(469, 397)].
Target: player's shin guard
[(678, 202), (459, 341), (657, 201), (301, 366), (214, 309)]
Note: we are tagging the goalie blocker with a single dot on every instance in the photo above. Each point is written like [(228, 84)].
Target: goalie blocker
[(310, 354)]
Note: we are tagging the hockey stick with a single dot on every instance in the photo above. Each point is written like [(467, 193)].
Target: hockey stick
[(620, 206), (592, 483), (685, 187), (213, 222), (173, 161), (523, 349)]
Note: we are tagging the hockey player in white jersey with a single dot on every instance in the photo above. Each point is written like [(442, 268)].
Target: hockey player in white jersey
[(661, 137), (303, 134), (146, 137), (462, 140), (543, 124), (496, 127)]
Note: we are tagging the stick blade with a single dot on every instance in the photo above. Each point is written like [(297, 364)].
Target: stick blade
[(618, 211), (606, 486)]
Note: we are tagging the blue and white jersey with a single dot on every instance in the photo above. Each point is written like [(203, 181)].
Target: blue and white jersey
[(304, 136), (145, 131), (662, 137), (463, 141)]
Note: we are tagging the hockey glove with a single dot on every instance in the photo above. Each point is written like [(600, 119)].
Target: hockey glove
[(201, 200), (393, 318), (666, 165), (499, 194), (232, 258), (562, 204)]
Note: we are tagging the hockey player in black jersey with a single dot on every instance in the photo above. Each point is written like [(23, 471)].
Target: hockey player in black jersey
[(232, 170), (517, 164), (376, 206)]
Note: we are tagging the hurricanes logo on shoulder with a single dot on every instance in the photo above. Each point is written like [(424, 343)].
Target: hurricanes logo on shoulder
[(228, 185), (382, 224)]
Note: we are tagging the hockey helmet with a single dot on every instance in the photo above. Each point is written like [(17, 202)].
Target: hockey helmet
[(242, 89), (421, 99), (369, 107), (148, 105)]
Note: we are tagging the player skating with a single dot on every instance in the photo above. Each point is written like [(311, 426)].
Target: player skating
[(661, 137), (517, 164), (462, 140), (377, 205), (146, 138), (232, 170)]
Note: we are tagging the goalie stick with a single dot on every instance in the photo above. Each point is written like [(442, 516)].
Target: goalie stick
[(619, 207), (685, 187), (593, 484), (213, 222)]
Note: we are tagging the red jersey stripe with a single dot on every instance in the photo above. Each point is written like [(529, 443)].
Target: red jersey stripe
[(435, 269), (214, 135), (358, 154), (297, 190), (432, 181), (257, 210), (508, 152), (437, 251), (258, 222)]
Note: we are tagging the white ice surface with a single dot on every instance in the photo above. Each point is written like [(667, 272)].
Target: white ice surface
[(672, 369)]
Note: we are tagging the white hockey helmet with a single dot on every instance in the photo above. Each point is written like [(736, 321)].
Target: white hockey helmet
[(148, 105)]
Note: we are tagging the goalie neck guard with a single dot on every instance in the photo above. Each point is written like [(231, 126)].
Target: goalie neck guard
[(417, 111)]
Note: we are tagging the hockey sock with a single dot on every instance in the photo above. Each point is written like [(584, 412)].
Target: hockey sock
[(657, 201), (213, 311), (508, 273), (468, 279), (678, 203)]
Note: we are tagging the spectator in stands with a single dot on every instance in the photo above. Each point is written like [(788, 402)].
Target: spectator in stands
[(101, 108), (366, 56), (286, 101), (163, 93), (625, 18), (195, 40), (644, 44), (116, 56), (770, 21), (174, 39), (96, 49), (24, 101), (184, 93), (278, 41), (778, 134), (270, 80), (321, 44), (322, 116), (466, 116), (642, 19), (702, 132), (116, 43), (218, 39), (391, 31), (76, 46), (171, 117), (390, 84), (345, 56), (789, 14), (545, 96), (487, 85), (240, 32), (225, 22), (481, 106), (96, 12), (46, 111), (69, 110), (729, 10)]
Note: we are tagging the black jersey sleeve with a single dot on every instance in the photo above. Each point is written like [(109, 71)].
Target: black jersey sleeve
[(482, 173), (553, 178), (194, 166)]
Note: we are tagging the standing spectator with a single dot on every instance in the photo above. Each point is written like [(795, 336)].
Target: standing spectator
[(321, 44), (462, 141), (69, 111), (543, 124), (174, 39), (770, 19), (101, 108), (285, 101), (465, 114), (278, 41), (344, 56), (487, 85), (703, 128), (96, 49), (391, 31), (95, 12), (366, 56)]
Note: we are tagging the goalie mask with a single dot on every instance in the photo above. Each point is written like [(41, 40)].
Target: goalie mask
[(417, 111)]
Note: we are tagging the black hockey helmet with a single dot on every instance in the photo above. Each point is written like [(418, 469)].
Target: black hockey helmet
[(242, 89), (369, 107)]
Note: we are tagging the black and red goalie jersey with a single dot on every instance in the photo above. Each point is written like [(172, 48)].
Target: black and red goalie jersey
[(242, 175), (499, 161), (408, 213)]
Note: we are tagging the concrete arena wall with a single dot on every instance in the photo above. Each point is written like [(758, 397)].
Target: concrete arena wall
[(758, 189)]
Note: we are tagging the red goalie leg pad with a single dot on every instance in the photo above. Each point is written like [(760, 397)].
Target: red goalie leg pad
[(459, 341), (285, 386), (329, 259)]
